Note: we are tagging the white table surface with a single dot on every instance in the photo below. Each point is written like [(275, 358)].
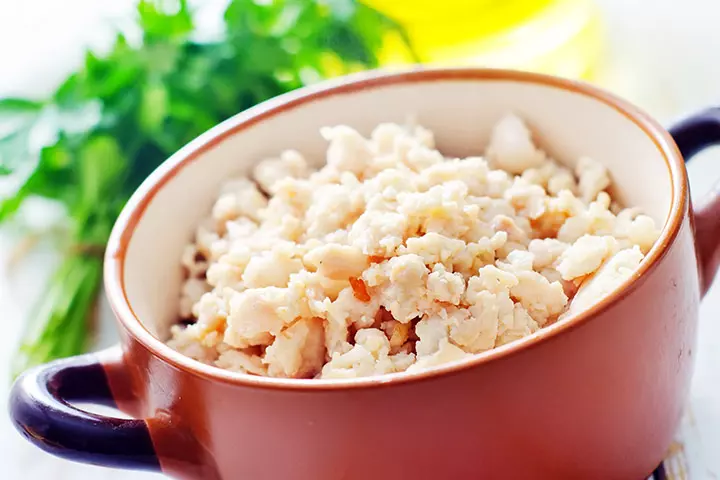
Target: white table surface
[(663, 57)]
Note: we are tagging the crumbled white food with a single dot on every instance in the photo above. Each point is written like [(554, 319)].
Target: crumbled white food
[(191, 292), (348, 150), (395, 258), (446, 353), (593, 178), (545, 251), (401, 285), (585, 255), (271, 268), (239, 197), (298, 351), (290, 164), (609, 276), (256, 317), (511, 147), (336, 261), (444, 286), (369, 356)]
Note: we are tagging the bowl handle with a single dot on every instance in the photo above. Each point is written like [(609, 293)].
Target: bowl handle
[(40, 409), (693, 135)]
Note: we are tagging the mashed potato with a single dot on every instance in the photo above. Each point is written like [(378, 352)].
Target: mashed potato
[(395, 258)]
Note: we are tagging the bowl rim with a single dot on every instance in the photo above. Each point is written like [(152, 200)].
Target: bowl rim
[(132, 212)]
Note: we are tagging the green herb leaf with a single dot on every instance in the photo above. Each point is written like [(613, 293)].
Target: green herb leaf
[(101, 167), (164, 19), (13, 148), (18, 105), (154, 104)]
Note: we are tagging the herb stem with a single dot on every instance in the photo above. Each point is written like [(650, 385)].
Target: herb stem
[(59, 325)]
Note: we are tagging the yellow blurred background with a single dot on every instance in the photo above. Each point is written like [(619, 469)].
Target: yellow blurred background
[(560, 37)]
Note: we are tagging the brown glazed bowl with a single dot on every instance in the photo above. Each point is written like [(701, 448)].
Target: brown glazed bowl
[(596, 396)]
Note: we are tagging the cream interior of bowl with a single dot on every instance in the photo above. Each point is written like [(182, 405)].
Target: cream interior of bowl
[(460, 112)]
